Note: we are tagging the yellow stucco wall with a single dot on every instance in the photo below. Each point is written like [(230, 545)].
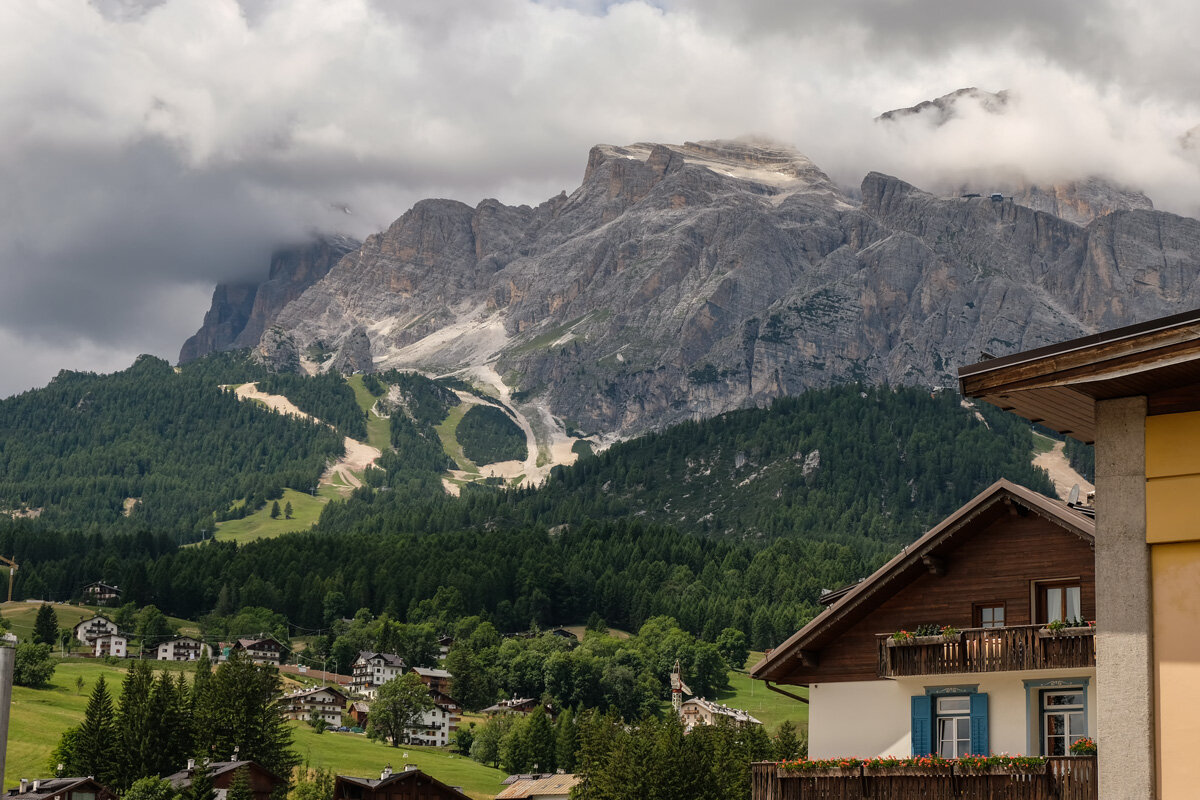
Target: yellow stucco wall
[(1176, 598), (1173, 478), (1173, 532)]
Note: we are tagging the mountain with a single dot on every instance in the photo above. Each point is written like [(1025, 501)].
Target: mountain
[(241, 311), (680, 281)]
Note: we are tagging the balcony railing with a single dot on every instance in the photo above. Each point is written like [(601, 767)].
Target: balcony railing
[(1019, 647), (1065, 778)]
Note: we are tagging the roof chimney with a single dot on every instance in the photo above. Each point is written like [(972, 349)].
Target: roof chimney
[(24, 786), (387, 773), (37, 785), (191, 767), (409, 767)]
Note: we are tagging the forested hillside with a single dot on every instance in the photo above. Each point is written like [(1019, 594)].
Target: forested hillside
[(150, 449), (738, 521)]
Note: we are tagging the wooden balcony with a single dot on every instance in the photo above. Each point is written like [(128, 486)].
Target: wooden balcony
[(1019, 647), (1065, 778)]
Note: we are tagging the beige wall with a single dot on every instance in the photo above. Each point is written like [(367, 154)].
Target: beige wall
[(874, 718)]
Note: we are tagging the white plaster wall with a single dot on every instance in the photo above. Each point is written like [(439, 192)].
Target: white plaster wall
[(874, 718)]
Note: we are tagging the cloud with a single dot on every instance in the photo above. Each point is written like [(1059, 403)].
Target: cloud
[(150, 148)]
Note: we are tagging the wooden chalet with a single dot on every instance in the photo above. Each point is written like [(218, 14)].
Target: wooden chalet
[(261, 651), (520, 706), (262, 782), (101, 593), (994, 574), (61, 789), (329, 703), (410, 784), (438, 680)]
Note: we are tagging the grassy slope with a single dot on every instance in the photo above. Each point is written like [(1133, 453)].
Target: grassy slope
[(355, 754), (379, 433), (1042, 444), (448, 432), (771, 708), (259, 525), (39, 717)]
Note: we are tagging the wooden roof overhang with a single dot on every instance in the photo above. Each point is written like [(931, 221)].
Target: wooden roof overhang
[(1003, 497), (1058, 386)]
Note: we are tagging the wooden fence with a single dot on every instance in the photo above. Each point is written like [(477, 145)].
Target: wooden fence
[(1066, 778)]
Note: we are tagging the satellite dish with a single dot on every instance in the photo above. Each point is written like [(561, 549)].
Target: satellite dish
[(1073, 498)]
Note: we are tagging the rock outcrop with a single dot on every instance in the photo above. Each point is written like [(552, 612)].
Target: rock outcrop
[(241, 312), (680, 281)]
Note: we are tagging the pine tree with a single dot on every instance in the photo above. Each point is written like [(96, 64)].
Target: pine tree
[(787, 745), (287, 510), (275, 509), (539, 736), (566, 741), (239, 785), (134, 721), (45, 626), (96, 742)]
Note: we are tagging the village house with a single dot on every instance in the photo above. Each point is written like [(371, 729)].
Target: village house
[(61, 789), (358, 711), (327, 701), (993, 671), (372, 670), (698, 711), (409, 784), (262, 783), (1135, 393), (438, 680), (436, 726), (101, 594), (444, 645), (261, 651), (539, 787), (182, 648), (113, 644), (88, 630)]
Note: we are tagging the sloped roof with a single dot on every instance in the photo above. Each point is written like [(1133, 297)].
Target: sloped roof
[(49, 787), (183, 778), (430, 672), (905, 567), (558, 785), (389, 659), (83, 622), (302, 693), (411, 773), (1058, 386), (735, 714)]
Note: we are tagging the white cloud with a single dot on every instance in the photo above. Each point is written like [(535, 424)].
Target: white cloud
[(150, 147)]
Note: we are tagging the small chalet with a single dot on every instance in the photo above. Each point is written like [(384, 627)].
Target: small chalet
[(325, 700), (444, 645), (438, 680), (698, 711), (183, 648), (89, 630), (359, 712), (61, 789), (262, 782), (1005, 587), (261, 651), (518, 705), (101, 594), (113, 644), (411, 784), (372, 670), (539, 787)]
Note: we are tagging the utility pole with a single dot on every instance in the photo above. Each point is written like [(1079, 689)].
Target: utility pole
[(8, 657)]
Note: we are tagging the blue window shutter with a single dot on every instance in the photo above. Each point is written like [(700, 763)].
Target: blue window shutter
[(922, 725), (979, 725)]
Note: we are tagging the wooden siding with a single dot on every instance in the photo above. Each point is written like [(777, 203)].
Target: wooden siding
[(1066, 778), (999, 563)]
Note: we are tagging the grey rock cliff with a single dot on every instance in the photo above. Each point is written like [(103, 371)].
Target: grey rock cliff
[(679, 281), (241, 312)]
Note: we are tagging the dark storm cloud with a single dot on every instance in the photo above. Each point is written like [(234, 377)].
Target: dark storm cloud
[(149, 148)]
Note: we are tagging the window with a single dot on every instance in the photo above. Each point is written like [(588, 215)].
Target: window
[(1059, 600), (1063, 721), (953, 728), (989, 615)]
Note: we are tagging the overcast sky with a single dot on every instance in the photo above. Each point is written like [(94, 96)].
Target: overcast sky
[(151, 148)]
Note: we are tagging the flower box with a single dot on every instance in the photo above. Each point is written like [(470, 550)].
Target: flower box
[(823, 772), (1082, 630), (909, 770), (915, 640)]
